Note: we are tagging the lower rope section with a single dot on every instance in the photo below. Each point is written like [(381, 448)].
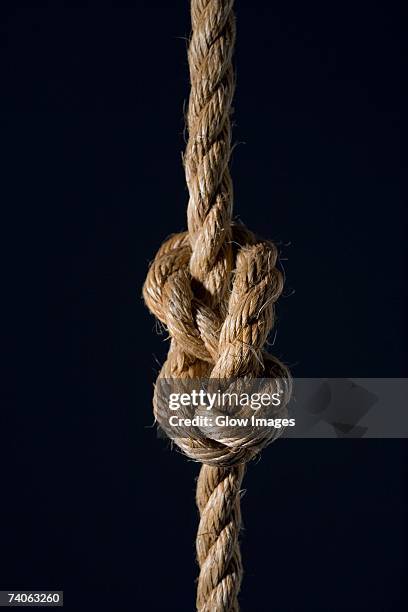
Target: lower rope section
[(218, 554)]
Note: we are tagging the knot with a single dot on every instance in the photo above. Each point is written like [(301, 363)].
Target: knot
[(219, 339)]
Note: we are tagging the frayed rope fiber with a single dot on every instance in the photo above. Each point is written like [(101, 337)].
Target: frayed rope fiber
[(214, 288)]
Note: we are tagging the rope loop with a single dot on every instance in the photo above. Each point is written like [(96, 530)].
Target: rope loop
[(219, 341)]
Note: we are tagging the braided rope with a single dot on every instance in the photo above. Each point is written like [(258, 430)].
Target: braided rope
[(214, 288)]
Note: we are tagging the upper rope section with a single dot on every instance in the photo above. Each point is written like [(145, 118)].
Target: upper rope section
[(208, 149)]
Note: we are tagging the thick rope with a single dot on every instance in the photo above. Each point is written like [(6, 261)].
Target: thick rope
[(214, 288), (208, 149)]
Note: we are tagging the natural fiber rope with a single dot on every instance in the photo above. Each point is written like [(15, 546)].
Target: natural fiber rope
[(214, 288)]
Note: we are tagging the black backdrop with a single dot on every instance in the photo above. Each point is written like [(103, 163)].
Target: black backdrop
[(92, 133)]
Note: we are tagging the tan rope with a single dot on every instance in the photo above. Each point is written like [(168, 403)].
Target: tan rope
[(214, 288)]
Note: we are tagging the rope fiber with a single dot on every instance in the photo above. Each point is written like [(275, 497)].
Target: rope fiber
[(214, 288)]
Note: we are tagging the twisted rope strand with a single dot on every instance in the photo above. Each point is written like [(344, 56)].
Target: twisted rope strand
[(218, 554), (214, 288), (208, 149)]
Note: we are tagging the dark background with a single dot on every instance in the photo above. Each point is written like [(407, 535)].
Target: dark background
[(92, 134)]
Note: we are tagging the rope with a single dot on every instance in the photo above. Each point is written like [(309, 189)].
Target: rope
[(214, 288)]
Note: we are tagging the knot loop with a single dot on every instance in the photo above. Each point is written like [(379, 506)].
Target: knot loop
[(222, 340)]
